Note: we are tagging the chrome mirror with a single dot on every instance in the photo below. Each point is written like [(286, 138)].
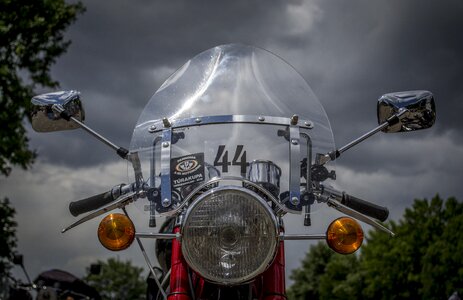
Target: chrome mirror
[(51, 112), (420, 110)]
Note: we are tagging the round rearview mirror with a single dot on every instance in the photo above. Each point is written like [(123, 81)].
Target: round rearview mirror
[(420, 106)]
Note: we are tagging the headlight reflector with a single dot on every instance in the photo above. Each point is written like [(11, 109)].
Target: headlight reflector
[(229, 235)]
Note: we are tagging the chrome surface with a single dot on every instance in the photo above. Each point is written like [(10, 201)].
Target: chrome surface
[(159, 236), (268, 216), (166, 189), (400, 115), (299, 237), (279, 208), (420, 106), (45, 119), (294, 166), (266, 174), (225, 119), (59, 109)]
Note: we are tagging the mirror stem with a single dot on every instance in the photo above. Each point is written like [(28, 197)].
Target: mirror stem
[(336, 153), (122, 152)]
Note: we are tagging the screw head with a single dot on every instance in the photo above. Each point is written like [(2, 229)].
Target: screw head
[(165, 144), (294, 141), (198, 120), (152, 128), (165, 202), (261, 118), (308, 124), (295, 200)]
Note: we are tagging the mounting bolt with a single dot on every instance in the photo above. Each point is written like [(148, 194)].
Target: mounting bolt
[(165, 144), (165, 202), (294, 201), (261, 118), (155, 193), (294, 119), (294, 142), (198, 120), (308, 124), (152, 129), (166, 122)]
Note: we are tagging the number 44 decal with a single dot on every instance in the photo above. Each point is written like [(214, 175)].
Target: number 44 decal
[(239, 159)]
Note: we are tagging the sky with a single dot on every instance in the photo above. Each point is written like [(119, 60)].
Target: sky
[(350, 53)]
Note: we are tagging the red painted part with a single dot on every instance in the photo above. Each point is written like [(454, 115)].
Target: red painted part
[(179, 285), (274, 277)]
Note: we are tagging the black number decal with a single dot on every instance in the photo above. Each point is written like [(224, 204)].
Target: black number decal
[(239, 159), (224, 163), (242, 163)]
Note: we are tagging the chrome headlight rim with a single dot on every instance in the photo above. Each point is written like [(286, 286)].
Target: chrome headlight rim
[(272, 251)]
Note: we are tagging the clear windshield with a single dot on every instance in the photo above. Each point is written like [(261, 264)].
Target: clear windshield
[(262, 91)]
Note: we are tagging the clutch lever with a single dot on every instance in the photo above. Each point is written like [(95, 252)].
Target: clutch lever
[(120, 203)]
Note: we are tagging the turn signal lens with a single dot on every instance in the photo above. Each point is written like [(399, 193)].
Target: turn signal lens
[(116, 232), (344, 235)]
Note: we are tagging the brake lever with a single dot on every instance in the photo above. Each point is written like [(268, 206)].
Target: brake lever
[(356, 215), (122, 202), (328, 195)]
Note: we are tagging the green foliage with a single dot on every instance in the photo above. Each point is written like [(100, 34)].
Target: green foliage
[(31, 38), (118, 280), (7, 236), (307, 278), (423, 261)]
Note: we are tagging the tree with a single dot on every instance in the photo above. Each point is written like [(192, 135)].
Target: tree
[(7, 236), (118, 280), (31, 38), (423, 261), (307, 278)]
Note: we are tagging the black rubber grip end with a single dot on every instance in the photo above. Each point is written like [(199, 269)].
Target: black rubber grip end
[(85, 205), (372, 210)]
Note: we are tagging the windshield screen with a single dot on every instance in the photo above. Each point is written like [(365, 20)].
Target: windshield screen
[(260, 92)]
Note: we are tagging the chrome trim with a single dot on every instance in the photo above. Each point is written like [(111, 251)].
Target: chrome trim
[(159, 236), (294, 166), (158, 125), (299, 237), (262, 202), (166, 189), (279, 211)]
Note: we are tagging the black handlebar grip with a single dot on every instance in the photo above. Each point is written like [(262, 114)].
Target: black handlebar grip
[(88, 204), (375, 211)]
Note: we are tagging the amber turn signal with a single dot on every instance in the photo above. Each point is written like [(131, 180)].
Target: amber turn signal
[(344, 235), (116, 232)]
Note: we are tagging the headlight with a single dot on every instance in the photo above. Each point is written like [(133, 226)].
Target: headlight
[(229, 235)]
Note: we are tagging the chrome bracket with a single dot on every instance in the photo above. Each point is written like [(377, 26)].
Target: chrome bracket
[(166, 189), (294, 165)]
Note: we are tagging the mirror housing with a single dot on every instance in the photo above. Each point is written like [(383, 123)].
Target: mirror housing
[(420, 106), (46, 119)]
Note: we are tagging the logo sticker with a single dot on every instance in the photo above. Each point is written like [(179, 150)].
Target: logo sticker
[(187, 169)]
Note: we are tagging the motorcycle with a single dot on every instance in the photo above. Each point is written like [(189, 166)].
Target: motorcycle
[(49, 285), (229, 148)]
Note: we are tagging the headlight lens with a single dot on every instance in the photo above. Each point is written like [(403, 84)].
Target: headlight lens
[(229, 235)]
